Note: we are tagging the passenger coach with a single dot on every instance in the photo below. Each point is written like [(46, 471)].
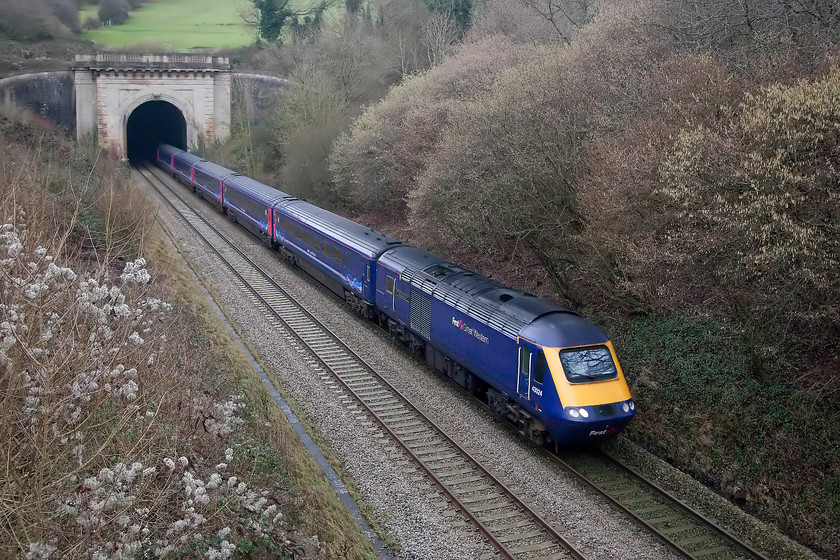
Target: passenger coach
[(337, 252)]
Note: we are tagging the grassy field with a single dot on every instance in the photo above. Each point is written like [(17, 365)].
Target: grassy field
[(177, 25)]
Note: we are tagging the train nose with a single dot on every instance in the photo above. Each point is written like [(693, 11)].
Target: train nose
[(586, 424)]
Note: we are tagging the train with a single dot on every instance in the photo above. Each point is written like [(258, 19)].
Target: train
[(550, 372)]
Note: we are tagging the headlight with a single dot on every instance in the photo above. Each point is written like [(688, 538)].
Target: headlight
[(632, 405), (573, 413), (626, 407), (584, 413)]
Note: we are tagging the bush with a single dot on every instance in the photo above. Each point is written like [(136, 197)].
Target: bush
[(376, 163), (542, 21), (91, 23), (67, 12), (532, 157), (113, 12), (770, 23), (755, 203), (31, 21), (334, 72)]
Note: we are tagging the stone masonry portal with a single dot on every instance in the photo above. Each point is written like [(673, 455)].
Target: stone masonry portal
[(109, 87)]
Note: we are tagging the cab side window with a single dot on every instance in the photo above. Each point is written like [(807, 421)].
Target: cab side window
[(540, 367)]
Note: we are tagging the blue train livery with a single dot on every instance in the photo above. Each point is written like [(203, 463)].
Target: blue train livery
[(547, 370)]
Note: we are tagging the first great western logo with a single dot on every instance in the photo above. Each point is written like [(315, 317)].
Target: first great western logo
[(462, 326)]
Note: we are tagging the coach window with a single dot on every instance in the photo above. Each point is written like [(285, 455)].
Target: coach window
[(298, 233), (389, 284), (307, 238), (336, 255), (524, 360), (540, 367)]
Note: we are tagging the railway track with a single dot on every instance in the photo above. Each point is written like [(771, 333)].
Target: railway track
[(684, 530), (507, 522)]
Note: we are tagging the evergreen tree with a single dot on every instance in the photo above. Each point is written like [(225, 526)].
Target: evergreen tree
[(273, 16)]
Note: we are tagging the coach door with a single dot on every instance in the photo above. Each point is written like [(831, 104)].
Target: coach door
[(523, 385), (390, 291)]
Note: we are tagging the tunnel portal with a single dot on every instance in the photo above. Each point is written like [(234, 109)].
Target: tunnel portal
[(129, 102), (153, 123)]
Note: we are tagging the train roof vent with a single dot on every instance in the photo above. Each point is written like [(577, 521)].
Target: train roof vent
[(425, 284), (505, 297), (442, 270)]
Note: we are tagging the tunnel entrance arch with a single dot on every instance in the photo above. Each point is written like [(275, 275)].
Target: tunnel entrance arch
[(152, 123), (110, 87)]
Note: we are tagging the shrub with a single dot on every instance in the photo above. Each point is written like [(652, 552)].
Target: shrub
[(67, 12), (31, 21), (754, 202), (333, 72), (91, 23), (770, 23), (400, 28), (89, 373), (544, 21), (375, 164), (113, 12)]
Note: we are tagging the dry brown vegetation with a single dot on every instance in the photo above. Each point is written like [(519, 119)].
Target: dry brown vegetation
[(334, 70), (131, 425), (671, 167), (38, 20)]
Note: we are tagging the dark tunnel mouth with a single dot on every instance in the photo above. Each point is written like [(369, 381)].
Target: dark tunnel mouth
[(153, 123)]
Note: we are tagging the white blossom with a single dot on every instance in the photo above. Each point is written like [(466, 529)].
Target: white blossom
[(40, 551), (135, 272)]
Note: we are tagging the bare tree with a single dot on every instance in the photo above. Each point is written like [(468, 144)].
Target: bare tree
[(726, 22), (400, 23), (565, 16), (440, 33)]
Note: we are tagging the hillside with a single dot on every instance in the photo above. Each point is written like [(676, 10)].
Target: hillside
[(667, 168)]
